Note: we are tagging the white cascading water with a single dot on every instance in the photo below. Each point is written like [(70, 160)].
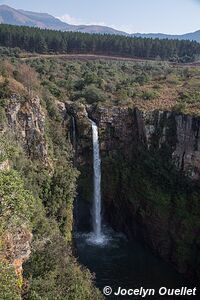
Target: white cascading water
[(97, 183), (97, 236)]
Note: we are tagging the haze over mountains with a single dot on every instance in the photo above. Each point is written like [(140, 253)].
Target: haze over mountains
[(9, 15)]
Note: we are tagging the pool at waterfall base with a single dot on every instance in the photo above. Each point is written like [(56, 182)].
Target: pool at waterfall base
[(127, 264)]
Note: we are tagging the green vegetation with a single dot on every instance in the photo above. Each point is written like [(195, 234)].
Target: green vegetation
[(161, 199), (37, 197), (17, 205), (147, 85), (18, 210), (49, 41), (111, 82), (52, 271), (10, 52), (8, 282)]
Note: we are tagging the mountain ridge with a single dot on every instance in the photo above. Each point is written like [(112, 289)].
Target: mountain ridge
[(20, 17), (192, 36)]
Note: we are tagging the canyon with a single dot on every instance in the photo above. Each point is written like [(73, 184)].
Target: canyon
[(150, 171), (150, 175), (99, 164)]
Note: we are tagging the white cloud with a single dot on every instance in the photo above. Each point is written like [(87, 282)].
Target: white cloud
[(74, 21), (70, 20)]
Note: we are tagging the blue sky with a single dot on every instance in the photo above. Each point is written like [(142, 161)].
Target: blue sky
[(166, 16)]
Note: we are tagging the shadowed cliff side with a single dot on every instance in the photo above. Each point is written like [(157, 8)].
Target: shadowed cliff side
[(150, 171)]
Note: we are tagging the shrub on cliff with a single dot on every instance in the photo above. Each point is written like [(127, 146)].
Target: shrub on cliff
[(17, 208), (4, 89), (17, 205), (92, 94), (9, 289), (53, 273)]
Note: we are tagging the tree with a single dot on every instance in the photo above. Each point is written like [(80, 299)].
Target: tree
[(28, 77), (42, 41), (93, 94)]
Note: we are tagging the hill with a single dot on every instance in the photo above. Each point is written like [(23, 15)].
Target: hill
[(193, 36), (9, 15)]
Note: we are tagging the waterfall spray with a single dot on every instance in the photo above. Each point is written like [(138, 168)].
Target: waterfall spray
[(96, 182), (97, 236)]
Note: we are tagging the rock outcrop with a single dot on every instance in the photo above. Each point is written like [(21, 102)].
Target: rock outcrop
[(26, 124), (26, 119), (5, 165), (17, 245), (128, 124), (15, 241)]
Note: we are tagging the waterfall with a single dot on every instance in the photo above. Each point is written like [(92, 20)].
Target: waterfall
[(97, 183), (97, 235)]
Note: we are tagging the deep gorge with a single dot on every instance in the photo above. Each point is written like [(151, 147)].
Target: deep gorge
[(150, 172)]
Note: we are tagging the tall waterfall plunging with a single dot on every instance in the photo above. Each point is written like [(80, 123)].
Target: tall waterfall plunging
[(97, 183), (97, 237), (115, 260)]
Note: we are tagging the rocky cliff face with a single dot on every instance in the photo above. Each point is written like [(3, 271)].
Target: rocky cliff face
[(151, 172), (17, 244), (27, 120), (78, 120), (181, 132)]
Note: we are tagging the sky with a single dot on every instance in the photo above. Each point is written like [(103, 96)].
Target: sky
[(144, 16)]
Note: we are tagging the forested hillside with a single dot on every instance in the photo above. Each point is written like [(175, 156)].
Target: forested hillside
[(49, 41)]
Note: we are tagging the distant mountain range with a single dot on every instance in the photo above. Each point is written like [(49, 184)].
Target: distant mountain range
[(193, 36), (9, 15)]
